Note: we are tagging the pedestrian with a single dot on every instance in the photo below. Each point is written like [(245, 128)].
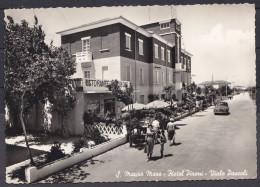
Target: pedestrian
[(156, 127), (162, 142), (149, 142), (171, 131)]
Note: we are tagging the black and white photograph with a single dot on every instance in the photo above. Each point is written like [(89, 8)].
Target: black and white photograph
[(130, 93)]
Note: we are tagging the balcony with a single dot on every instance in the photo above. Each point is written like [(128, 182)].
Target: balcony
[(84, 57), (180, 67)]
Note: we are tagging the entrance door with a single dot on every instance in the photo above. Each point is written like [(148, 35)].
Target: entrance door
[(109, 105)]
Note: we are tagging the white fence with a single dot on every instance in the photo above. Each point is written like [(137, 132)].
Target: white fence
[(106, 129)]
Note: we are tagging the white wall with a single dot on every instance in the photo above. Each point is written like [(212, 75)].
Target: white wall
[(113, 64)]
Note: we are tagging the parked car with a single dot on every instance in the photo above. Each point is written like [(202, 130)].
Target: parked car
[(221, 108)]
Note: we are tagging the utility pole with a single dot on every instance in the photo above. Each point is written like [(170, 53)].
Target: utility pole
[(226, 85), (212, 91)]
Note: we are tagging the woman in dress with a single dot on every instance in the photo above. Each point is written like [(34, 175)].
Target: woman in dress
[(149, 142), (171, 131)]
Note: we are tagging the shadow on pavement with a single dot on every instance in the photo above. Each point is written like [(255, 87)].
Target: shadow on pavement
[(176, 144), (198, 115), (139, 146), (154, 158), (224, 114), (168, 155)]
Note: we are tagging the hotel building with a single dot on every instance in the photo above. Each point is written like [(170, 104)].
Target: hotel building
[(149, 56)]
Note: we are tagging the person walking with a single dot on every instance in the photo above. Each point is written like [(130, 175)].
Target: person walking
[(162, 142), (149, 142), (156, 127), (171, 131)]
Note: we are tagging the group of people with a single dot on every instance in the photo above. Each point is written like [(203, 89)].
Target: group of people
[(155, 135)]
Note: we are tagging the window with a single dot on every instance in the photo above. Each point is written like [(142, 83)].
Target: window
[(104, 42), (169, 78), (156, 51), (162, 53), (85, 44), (127, 41), (141, 48), (141, 76), (163, 96), (157, 77), (128, 73), (182, 65), (178, 49), (163, 78), (178, 27), (87, 74), (188, 63), (142, 99), (169, 55), (165, 25), (104, 72)]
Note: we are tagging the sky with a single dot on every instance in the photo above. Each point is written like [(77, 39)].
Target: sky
[(221, 38)]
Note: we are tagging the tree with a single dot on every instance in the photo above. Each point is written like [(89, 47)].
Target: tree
[(123, 94), (223, 90), (33, 70), (169, 90)]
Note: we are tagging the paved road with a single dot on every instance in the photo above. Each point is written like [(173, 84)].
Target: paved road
[(210, 147)]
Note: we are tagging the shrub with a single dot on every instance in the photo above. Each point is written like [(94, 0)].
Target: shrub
[(96, 137), (153, 97), (77, 145), (90, 117), (55, 153), (19, 174)]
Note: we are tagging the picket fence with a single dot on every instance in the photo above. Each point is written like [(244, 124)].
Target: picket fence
[(105, 128)]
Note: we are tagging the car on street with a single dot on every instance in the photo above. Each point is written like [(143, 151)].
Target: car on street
[(221, 108)]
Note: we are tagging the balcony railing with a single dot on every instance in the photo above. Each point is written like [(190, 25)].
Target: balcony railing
[(84, 57), (180, 67)]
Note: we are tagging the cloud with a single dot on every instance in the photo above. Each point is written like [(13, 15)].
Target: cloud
[(225, 52)]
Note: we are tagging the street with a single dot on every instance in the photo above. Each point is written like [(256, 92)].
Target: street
[(208, 147)]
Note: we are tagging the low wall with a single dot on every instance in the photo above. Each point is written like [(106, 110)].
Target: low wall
[(33, 173)]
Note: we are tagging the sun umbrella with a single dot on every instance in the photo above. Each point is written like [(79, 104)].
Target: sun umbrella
[(157, 104), (135, 106)]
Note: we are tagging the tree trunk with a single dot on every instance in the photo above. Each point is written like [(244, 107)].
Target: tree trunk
[(63, 130), (24, 131), (36, 114)]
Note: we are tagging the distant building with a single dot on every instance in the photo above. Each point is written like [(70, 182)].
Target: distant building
[(216, 84)]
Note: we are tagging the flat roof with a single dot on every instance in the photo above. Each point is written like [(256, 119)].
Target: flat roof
[(110, 21), (122, 20)]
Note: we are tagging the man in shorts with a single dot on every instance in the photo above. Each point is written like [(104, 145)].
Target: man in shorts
[(156, 128)]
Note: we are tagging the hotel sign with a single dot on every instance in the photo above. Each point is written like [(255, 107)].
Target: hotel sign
[(96, 83)]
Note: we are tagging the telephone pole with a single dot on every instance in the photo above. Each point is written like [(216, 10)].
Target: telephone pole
[(226, 85)]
